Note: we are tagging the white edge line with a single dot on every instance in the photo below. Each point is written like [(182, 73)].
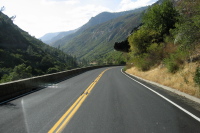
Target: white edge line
[(184, 110)]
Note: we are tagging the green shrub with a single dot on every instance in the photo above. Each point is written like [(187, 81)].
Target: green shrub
[(171, 64), (5, 78), (53, 70), (197, 76), (175, 60), (142, 39), (124, 69), (155, 52), (142, 62)]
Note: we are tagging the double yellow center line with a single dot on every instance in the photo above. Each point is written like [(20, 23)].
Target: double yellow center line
[(63, 121)]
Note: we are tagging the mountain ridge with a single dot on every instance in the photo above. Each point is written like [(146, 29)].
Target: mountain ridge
[(98, 39), (98, 19), (50, 38)]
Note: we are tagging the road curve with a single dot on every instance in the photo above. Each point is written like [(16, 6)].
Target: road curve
[(116, 104)]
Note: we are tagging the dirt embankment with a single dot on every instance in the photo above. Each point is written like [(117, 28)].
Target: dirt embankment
[(181, 80)]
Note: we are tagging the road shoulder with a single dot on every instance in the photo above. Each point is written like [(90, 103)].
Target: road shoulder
[(185, 98)]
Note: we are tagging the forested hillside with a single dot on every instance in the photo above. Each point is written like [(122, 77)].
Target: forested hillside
[(169, 35), (169, 38), (94, 41), (99, 19), (22, 55)]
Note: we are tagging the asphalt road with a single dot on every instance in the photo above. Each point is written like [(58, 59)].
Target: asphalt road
[(116, 104)]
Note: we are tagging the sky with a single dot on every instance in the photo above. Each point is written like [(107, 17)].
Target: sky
[(39, 17)]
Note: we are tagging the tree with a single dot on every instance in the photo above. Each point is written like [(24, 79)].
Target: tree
[(2, 9), (30, 50), (187, 31), (158, 20), (122, 46), (21, 72), (146, 43), (13, 18), (161, 18), (46, 63), (142, 39)]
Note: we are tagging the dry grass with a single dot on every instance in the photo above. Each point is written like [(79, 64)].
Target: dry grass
[(182, 80)]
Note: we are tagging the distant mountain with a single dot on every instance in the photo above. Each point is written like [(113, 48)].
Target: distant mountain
[(99, 19), (104, 17), (96, 38), (22, 55), (50, 38)]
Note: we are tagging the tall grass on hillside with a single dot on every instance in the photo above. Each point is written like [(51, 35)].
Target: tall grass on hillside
[(181, 80)]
